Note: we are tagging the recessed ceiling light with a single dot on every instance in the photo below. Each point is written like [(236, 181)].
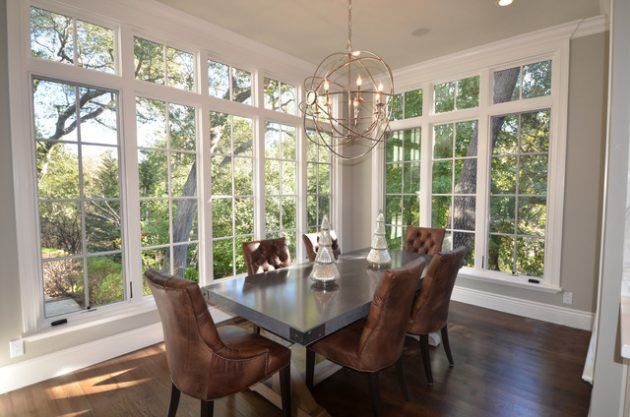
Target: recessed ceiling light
[(504, 2)]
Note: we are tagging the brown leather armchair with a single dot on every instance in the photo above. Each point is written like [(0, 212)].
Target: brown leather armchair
[(266, 255), (424, 240), (430, 309), (205, 363), (375, 343), (311, 243)]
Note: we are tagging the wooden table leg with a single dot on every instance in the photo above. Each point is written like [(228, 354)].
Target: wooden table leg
[(303, 403)]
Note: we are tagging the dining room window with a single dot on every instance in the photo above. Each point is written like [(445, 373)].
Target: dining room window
[(281, 188), (318, 182), (233, 204), (456, 95), (402, 184), (157, 63), (280, 96), (76, 148), (167, 170), (229, 83), (407, 105), (454, 184)]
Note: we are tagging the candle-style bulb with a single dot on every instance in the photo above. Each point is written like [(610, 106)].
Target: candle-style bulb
[(326, 85), (355, 103), (380, 86), (359, 80)]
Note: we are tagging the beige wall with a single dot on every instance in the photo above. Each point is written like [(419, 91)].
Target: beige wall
[(584, 179)]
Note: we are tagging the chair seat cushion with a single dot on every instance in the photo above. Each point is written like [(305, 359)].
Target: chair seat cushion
[(238, 339), (341, 347)]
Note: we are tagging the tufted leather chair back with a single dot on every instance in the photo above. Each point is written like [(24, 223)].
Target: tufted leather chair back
[(266, 255), (189, 331), (311, 243), (430, 309), (383, 335), (424, 240)]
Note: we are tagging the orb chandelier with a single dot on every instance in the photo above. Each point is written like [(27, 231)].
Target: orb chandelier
[(348, 101)]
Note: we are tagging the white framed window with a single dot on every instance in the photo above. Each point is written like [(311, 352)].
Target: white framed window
[(280, 96), (319, 183), (153, 127), (494, 199), (407, 105)]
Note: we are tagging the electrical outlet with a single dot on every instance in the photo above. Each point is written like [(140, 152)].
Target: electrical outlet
[(567, 297), (16, 348)]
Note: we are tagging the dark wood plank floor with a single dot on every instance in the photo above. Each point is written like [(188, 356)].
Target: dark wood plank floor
[(505, 366)]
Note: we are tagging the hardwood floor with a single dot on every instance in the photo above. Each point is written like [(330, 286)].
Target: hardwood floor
[(504, 366)]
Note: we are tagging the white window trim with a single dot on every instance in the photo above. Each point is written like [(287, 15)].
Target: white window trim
[(552, 43), (154, 21)]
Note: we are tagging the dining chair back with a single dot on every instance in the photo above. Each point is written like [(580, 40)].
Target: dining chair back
[(425, 240), (311, 243), (266, 255)]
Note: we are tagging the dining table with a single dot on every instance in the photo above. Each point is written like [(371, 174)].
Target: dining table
[(293, 309)]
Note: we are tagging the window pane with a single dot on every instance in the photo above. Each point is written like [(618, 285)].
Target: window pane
[(501, 253), (154, 223), (184, 220), (530, 256), (63, 287), (464, 213), (505, 134), (468, 93), (440, 211), (466, 138), (412, 144), (465, 176), (221, 217), (98, 114), (397, 107), (151, 123), (243, 176), (100, 171), (244, 216), (222, 256), (411, 210), (186, 262), (394, 147), (503, 175), (57, 170), (95, 47), (502, 211), (152, 170), (466, 240), (51, 36), (182, 127), (103, 226), (272, 94), (443, 142), (411, 179), (442, 177), (393, 210), (287, 98), (219, 80), (533, 174), (413, 103), (394, 236), (158, 259), (239, 264), (149, 61), (393, 182), (60, 229), (241, 86), (105, 279), (537, 79), (180, 69), (183, 174), (444, 97), (535, 131), (507, 85), (242, 130), (532, 216), (273, 215), (54, 110)]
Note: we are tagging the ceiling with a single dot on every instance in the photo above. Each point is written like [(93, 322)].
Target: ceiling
[(311, 29)]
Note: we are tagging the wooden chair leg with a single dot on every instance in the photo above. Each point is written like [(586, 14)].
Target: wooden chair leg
[(285, 390), (256, 329), (447, 346), (401, 378), (172, 407), (207, 408), (375, 394), (310, 368), (426, 358)]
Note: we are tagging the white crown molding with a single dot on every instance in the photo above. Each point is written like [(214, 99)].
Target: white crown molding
[(564, 316), (539, 42)]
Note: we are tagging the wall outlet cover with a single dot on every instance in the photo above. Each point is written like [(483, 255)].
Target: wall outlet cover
[(567, 297), (16, 348)]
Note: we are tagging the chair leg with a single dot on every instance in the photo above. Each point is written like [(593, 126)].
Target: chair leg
[(426, 358), (310, 368), (401, 378), (447, 346), (207, 408), (256, 329), (375, 394), (172, 407), (285, 390)]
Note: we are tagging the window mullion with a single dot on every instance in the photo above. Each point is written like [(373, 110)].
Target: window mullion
[(483, 172)]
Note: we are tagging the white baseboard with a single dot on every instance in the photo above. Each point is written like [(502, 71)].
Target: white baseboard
[(62, 362), (570, 317)]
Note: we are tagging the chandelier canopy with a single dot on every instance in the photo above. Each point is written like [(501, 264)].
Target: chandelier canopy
[(348, 101)]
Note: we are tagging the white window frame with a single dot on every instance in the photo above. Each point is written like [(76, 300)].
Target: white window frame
[(149, 20), (553, 44)]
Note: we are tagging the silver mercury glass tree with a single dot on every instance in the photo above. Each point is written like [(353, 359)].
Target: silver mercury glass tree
[(379, 255), (324, 268)]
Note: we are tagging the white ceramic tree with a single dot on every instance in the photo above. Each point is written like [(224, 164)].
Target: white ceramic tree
[(325, 268), (379, 255)]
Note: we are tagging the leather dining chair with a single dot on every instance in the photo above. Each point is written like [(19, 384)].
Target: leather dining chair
[(375, 343), (424, 240), (430, 309), (266, 255), (206, 363), (311, 243)]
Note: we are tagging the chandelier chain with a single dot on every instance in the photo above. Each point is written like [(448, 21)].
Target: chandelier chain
[(349, 25)]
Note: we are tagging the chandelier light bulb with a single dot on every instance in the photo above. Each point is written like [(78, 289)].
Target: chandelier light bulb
[(326, 85), (380, 86), (359, 80)]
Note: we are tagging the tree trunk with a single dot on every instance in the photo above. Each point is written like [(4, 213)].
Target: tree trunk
[(183, 221)]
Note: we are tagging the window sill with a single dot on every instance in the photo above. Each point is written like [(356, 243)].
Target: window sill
[(510, 281), (122, 312)]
